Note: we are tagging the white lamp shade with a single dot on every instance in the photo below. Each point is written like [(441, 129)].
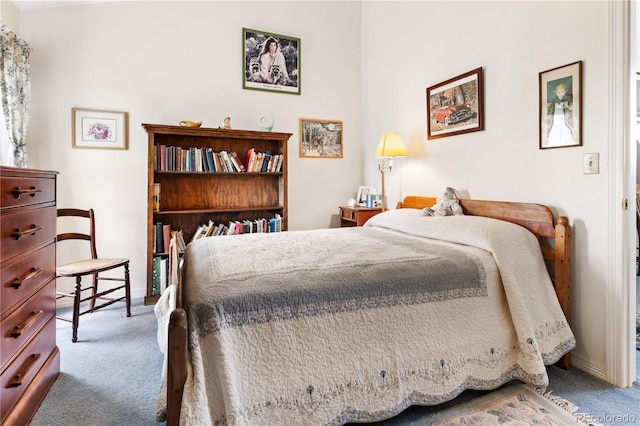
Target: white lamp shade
[(391, 145)]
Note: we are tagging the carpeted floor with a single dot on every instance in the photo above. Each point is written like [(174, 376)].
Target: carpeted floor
[(111, 377)]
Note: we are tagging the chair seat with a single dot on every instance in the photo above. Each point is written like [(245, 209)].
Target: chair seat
[(89, 266)]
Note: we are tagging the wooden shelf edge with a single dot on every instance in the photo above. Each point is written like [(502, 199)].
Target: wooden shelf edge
[(230, 210), (151, 299)]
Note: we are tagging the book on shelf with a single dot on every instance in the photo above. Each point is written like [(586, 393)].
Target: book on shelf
[(250, 159), (196, 234), (164, 273), (162, 157), (178, 159), (216, 162), (159, 240), (178, 237), (237, 163), (155, 275), (166, 237), (210, 163)]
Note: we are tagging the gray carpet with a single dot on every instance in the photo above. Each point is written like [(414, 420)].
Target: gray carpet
[(111, 376)]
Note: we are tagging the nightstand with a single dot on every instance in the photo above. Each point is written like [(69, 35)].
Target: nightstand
[(356, 216)]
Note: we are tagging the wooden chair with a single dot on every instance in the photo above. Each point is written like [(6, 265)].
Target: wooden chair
[(93, 266)]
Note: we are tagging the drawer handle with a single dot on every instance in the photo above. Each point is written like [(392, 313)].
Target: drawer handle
[(17, 281), (18, 329), (31, 191), (19, 377), (31, 231)]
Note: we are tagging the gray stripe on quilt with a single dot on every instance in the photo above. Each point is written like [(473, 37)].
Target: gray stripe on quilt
[(425, 272)]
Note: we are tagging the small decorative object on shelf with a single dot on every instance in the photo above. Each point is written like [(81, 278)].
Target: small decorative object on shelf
[(227, 123), (266, 123), (187, 123), (156, 197)]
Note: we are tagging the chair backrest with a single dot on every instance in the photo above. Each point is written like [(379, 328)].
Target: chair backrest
[(90, 237)]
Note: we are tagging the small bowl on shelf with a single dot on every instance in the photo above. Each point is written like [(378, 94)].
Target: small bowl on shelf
[(187, 123)]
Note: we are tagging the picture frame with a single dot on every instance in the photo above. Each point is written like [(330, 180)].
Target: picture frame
[(363, 191), (321, 138), (456, 106), (99, 129), (560, 106), (275, 72)]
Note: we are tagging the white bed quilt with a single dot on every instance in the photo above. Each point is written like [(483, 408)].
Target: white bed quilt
[(330, 357)]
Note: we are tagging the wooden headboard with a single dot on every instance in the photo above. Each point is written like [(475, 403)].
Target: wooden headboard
[(554, 237)]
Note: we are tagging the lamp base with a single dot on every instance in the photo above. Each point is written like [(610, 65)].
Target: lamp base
[(384, 194)]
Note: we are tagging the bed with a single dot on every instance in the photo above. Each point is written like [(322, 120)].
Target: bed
[(342, 325)]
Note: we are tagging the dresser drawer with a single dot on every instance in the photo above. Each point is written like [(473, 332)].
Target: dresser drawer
[(18, 375), (18, 328), (25, 276), (24, 191), (26, 229)]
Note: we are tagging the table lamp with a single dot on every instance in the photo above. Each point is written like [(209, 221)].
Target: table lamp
[(390, 146)]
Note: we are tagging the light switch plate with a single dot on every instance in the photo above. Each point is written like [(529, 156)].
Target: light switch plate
[(591, 163)]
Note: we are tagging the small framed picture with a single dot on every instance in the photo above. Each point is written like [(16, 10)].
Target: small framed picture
[(99, 129), (363, 191), (320, 138), (560, 106), (270, 62), (455, 106)]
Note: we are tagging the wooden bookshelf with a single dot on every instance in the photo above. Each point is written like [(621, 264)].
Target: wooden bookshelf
[(189, 199)]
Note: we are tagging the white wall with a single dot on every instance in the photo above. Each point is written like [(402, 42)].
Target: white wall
[(409, 46), (9, 15), (168, 61)]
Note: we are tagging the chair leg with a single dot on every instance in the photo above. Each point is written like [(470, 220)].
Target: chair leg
[(127, 288), (76, 309), (94, 290)]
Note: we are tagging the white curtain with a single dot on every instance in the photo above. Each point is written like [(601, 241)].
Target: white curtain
[(15, 88)]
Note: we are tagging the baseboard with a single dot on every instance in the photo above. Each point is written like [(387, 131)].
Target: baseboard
[(67, 302), (589, 367)]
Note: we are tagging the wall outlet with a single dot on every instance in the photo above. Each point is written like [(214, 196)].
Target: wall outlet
[(591, 164)]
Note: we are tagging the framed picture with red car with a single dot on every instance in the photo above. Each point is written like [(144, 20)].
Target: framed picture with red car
[(455, 106)]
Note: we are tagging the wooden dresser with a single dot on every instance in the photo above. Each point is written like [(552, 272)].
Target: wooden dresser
[(29, 357)]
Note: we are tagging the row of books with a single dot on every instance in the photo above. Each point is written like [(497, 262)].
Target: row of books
[(263, 161), (160, 264), (211, 229), (175, 158), (162, 238), (163, 232)]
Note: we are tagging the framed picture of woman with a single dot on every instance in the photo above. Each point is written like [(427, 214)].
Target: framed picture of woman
[(561, 106), (270, 62)]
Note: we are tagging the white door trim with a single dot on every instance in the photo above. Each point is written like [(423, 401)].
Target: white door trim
[(619, 305)]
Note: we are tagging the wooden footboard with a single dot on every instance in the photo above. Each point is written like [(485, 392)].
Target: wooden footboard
[(177, 361), (555, 243)]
